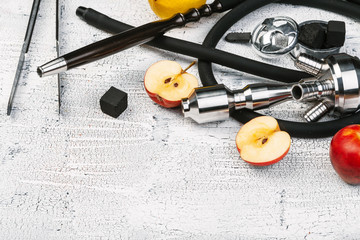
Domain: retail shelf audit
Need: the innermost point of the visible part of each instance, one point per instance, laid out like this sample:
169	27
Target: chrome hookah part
275	36
311	65
319	110
319	53
337	85
310	89
215	103
281	35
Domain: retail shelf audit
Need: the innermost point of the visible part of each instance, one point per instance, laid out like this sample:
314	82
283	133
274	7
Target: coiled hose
207	54
295	129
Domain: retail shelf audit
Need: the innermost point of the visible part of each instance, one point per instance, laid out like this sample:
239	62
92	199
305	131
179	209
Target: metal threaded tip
310	64
307	91
318	111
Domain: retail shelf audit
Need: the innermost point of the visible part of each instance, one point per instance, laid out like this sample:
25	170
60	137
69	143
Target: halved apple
261	142
167	83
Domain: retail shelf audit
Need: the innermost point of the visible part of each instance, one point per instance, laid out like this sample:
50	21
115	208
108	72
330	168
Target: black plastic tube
295	129
355	1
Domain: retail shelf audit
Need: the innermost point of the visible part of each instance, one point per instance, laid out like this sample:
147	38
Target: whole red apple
345	153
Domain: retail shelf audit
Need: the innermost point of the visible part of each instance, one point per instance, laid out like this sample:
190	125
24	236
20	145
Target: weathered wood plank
149	174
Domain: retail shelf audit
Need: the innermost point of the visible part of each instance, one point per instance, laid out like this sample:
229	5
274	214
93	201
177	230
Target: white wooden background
149	174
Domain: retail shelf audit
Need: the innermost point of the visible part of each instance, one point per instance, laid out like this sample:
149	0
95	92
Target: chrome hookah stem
215	103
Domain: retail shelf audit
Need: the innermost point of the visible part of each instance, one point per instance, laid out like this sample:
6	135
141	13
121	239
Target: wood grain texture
150	174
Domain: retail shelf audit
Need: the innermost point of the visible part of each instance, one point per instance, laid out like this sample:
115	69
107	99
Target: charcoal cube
335	34
113	102
312	35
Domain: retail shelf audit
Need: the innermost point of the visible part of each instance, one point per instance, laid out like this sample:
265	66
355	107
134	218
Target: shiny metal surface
208	104
337	80
55	66
345	71
259	96
319	110
275	36
215	103
317	53
312	90
310	64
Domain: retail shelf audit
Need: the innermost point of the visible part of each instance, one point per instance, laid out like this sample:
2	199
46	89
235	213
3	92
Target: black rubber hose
199	51
229	4
295	129
305	130
355	1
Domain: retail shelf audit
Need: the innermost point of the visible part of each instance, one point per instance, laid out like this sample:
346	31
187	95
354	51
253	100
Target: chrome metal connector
215	103
338	81
319	110
313	90
311	65
55	66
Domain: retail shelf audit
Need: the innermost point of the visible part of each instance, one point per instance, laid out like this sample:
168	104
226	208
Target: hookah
239	9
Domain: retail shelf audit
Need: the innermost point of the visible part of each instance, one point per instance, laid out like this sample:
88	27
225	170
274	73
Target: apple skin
263	164
161	101
164	69
261	142
345	153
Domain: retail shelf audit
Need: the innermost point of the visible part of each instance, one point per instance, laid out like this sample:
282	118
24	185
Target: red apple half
260	141
167	83
345	153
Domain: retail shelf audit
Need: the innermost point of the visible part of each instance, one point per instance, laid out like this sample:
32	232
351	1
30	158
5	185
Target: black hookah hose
295	129
208	52
199	51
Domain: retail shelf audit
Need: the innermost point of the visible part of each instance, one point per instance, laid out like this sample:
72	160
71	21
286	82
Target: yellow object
168	8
